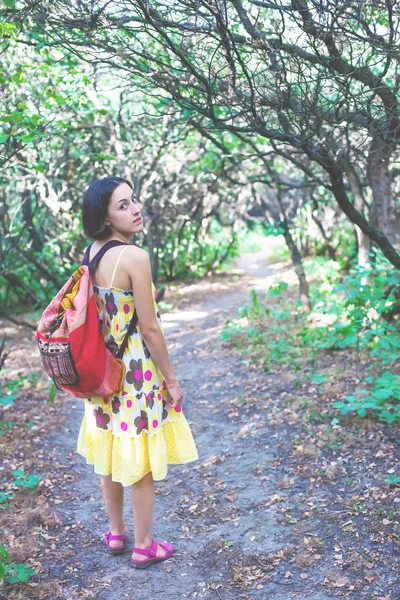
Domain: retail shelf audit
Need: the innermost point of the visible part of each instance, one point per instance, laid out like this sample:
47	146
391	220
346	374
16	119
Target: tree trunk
115	139
297	264
27	212
362	240
282	222
328	245
382	210
339	192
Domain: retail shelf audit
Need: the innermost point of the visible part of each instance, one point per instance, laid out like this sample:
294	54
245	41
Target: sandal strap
110	537
152	551
166	547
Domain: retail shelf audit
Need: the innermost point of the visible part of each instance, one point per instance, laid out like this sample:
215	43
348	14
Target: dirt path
244	526
210	509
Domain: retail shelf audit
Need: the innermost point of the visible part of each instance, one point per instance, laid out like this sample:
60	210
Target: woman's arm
139	270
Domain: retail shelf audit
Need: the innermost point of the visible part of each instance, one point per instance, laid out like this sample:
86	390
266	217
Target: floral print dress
136	432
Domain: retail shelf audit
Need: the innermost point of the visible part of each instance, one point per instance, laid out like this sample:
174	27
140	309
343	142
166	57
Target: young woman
130	438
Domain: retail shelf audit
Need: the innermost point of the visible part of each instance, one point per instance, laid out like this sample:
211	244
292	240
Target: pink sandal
151	553
109	537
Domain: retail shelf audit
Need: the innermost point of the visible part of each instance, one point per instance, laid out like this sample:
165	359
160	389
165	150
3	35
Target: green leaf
35	119
18	473
383	394
30	481
52	392
23	573
318	378
4	554
18	77
393	479
7	400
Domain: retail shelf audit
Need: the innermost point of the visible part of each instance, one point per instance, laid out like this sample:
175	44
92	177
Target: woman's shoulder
136	263
133	251
136	257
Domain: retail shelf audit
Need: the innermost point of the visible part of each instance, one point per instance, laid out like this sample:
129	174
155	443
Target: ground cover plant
330	393
23	516
346	350
355	313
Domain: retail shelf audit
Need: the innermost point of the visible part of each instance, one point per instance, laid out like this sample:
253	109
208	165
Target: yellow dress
130	434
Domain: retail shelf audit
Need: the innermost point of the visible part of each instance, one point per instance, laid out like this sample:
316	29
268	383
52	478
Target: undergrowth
354	314
17	479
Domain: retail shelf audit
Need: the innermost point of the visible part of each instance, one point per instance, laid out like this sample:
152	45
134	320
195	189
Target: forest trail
206	509
243	524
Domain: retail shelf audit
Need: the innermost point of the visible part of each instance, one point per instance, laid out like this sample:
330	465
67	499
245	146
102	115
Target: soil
268	512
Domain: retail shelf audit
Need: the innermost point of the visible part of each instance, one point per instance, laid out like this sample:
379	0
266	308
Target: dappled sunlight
320	319
264	283
172	319
250	427
211	334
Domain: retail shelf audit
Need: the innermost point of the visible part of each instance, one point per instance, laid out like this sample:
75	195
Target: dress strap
116	265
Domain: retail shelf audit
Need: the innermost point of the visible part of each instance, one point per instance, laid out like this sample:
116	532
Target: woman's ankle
143	543
117	528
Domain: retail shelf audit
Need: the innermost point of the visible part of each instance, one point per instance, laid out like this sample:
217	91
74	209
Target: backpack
70	341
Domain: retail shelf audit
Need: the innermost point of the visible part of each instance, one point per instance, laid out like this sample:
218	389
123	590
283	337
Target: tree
61	129
316	81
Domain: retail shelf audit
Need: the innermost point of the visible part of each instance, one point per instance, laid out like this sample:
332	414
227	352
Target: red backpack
71	344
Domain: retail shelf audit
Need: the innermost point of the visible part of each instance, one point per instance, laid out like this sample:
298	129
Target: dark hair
95	206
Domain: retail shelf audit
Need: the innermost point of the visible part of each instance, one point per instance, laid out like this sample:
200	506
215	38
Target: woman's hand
175	394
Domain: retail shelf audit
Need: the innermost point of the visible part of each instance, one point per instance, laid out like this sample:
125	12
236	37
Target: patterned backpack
71	345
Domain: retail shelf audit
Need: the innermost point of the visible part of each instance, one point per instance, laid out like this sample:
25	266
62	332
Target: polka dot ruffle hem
130	459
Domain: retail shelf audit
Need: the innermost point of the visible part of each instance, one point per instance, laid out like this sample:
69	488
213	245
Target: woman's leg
113	493
143	496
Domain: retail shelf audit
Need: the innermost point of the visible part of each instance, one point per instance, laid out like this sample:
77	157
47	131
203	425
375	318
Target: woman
130	438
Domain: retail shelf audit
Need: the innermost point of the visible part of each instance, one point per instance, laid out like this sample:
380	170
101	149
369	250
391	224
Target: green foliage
192	255
277	288
13	572
230	330
382	399
26	480
5	497
7	400
356	310
250	239
393	480
4	557
52	392
279	253
17	384
318	378
255	304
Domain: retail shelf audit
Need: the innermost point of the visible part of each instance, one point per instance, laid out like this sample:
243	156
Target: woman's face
124	211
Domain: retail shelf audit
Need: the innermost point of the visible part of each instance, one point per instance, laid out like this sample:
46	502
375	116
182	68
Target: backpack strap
86	255
100	253
92	263
116	266
130	330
